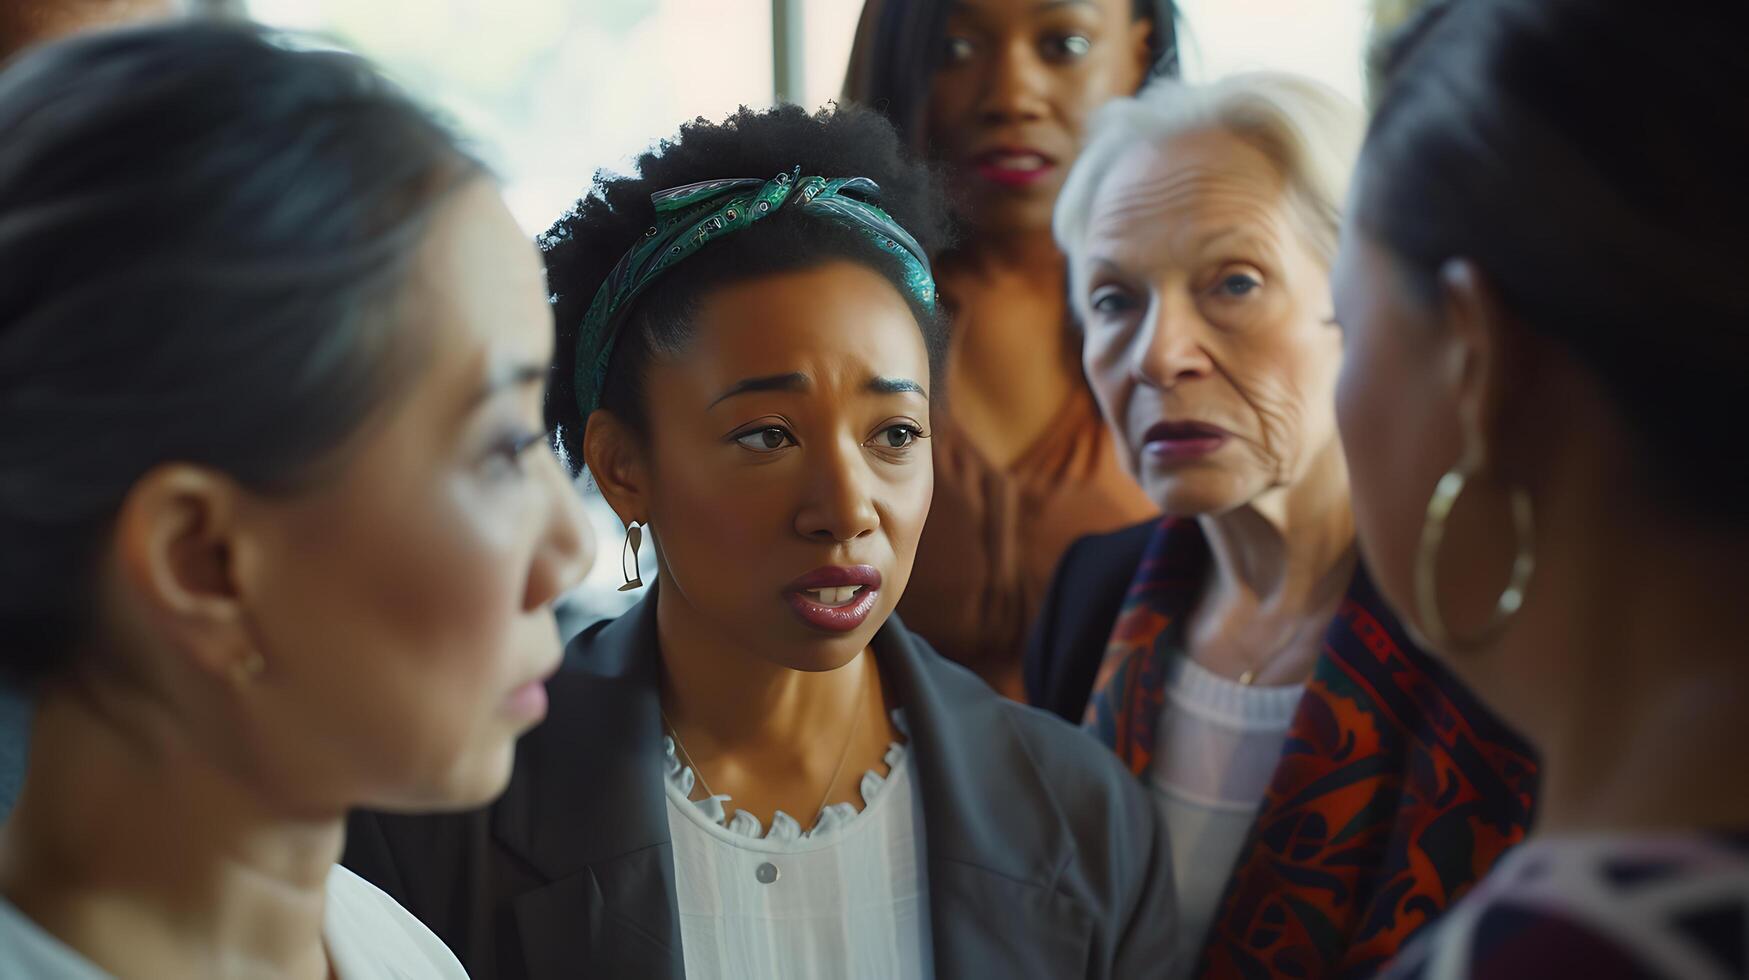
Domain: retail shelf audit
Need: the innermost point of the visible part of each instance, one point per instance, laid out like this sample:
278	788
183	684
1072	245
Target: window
1325	39
554	89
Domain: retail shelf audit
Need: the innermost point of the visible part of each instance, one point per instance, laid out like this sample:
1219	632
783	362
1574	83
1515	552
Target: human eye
506	456
1111	301
957	49
896	439
1238	283
765	439
1068	46
899	436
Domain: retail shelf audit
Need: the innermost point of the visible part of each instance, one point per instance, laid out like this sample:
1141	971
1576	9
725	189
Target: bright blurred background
553	90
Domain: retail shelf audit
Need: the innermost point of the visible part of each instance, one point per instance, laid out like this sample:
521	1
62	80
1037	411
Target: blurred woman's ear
180	564
1486	366
616	462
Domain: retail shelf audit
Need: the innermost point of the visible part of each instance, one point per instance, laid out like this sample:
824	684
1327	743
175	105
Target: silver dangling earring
1439	507
634	578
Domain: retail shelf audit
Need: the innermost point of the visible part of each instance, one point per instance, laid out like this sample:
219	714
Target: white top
368	936
847	900
1217	747
1674	905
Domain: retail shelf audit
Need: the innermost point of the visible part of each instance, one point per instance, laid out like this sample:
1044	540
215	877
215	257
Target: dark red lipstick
1176	442
1013	166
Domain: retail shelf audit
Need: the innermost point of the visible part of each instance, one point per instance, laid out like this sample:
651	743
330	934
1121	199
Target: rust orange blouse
994	536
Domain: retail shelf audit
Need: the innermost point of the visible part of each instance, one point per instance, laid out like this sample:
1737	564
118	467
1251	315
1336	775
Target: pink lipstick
835	598
528	702
1013	166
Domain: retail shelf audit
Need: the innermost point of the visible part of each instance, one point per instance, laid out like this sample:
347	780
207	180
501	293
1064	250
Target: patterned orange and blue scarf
1396	790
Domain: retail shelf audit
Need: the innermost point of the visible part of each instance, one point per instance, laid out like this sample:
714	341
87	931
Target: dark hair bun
202	230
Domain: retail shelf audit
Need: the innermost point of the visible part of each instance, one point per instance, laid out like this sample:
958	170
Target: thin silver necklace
849	740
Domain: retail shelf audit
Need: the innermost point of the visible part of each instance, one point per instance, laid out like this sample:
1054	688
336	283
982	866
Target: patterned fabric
1396	790
692	216
1600	908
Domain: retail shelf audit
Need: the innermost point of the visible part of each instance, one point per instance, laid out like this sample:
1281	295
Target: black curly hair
583	246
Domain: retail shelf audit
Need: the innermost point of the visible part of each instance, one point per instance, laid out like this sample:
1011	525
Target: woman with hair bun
1543	295
281	531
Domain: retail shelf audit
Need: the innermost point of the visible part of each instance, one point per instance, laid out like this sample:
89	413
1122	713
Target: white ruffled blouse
846	900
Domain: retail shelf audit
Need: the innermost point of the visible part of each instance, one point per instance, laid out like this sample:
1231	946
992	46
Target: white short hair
1309	130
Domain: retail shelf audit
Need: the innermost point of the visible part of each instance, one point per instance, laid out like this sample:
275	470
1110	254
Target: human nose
1015	88
566	550
838	506
1173	346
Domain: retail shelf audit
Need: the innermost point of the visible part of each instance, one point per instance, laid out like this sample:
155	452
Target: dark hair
1588	156
585	244
899	46
202	232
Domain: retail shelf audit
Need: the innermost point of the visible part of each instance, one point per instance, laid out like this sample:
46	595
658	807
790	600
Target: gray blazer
1045	857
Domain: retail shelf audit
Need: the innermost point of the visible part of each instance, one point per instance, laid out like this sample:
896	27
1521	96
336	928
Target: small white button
767	873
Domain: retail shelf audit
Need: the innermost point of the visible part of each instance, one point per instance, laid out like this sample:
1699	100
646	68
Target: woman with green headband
758	771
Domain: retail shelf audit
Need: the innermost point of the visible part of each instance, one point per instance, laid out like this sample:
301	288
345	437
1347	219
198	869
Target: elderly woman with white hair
1329	788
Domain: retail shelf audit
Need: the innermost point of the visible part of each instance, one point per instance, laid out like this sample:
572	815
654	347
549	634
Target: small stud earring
629	568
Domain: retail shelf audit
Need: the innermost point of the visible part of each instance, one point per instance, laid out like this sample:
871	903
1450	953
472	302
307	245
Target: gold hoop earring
1439	507
634	578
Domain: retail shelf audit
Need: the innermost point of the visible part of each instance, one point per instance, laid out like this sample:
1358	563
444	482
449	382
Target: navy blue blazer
1045	858
1075	620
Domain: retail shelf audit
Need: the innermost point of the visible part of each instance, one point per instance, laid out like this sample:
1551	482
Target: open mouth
836	598
1013	166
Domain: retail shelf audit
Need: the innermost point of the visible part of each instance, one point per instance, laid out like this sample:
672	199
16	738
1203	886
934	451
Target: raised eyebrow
794	381
896	386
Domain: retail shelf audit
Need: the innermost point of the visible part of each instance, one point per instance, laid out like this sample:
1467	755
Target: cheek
1287	381
715	524
403	631
1104	361
907	493
1082	93
1381	438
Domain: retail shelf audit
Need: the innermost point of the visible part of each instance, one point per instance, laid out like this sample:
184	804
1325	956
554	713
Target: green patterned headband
689	218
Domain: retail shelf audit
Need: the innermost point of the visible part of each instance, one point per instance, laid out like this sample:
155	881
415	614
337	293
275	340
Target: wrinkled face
1010	101
1208	336
788	481
403	605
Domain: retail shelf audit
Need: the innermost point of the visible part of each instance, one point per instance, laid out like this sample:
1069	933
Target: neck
1281	567
1026	252
134	847
1291	548
1631	666
730	701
